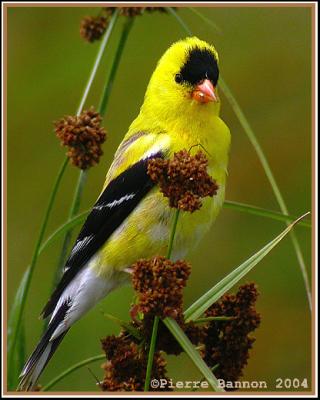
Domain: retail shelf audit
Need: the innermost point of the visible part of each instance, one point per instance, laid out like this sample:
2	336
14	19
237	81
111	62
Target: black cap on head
201	64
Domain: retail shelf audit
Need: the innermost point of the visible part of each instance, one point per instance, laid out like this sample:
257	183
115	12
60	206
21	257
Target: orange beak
205	92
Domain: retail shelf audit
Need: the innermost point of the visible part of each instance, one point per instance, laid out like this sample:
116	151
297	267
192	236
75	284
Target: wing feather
114	205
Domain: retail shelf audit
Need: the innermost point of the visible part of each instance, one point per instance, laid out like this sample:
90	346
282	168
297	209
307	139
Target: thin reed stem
12	344
263	212
23	290
72	213
205	19
267	169
96	64
151	352
83	173
265	164
73	368
115	64
156	318
102	109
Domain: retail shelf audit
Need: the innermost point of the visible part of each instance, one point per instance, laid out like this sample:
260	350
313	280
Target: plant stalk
72	213
96	64
115	64
83	173
12	344
265	164
156	318
72	369
23	291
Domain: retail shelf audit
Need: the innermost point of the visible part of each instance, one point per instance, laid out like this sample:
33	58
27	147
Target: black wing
114	205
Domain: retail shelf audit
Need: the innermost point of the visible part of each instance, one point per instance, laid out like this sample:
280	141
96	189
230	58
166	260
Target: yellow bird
131	219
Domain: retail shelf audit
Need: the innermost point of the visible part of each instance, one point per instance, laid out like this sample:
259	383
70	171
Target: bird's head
185	80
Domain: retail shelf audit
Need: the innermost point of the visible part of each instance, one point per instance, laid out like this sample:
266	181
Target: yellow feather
169	120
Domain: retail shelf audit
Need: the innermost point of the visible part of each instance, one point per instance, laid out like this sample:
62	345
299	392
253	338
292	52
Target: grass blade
72	369
14	325
115	64
97	61
205	19
263	212
267	169
180	20
156	318
188	347
77	220
17	309
264	162
125	325
83	173
214	294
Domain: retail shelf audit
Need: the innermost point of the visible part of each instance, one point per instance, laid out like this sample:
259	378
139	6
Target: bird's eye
178	78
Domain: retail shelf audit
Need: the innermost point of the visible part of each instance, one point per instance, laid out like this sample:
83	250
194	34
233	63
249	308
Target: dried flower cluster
126	364
228	343
83	136
183	179
159	283
134	11
92	28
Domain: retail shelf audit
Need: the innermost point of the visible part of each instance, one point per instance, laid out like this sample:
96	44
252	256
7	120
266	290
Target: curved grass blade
188	347
72	369
263	212
14	325
74	209
214	294
73	222
264	162
17	309
205	19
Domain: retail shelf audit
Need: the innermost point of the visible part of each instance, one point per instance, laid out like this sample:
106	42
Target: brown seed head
134	11
83	136
126	364
92	28
159	283
183	179
228	342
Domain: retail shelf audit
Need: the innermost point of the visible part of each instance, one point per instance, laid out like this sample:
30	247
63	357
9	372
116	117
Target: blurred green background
265	57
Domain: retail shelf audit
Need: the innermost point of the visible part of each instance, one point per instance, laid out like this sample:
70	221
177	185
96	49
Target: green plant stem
115	64
77	220
83	173
151	353
225	284
72	369
263	212
267	169
102	109
12	344
194	355
173	233
180	20
205	19
214	368
23	291
265	164
233	205
97	61
73	211
156	318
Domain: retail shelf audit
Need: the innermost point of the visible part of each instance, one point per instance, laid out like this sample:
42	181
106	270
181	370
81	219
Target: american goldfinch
131	219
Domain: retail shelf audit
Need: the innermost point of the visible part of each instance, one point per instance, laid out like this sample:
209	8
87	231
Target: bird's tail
43	352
